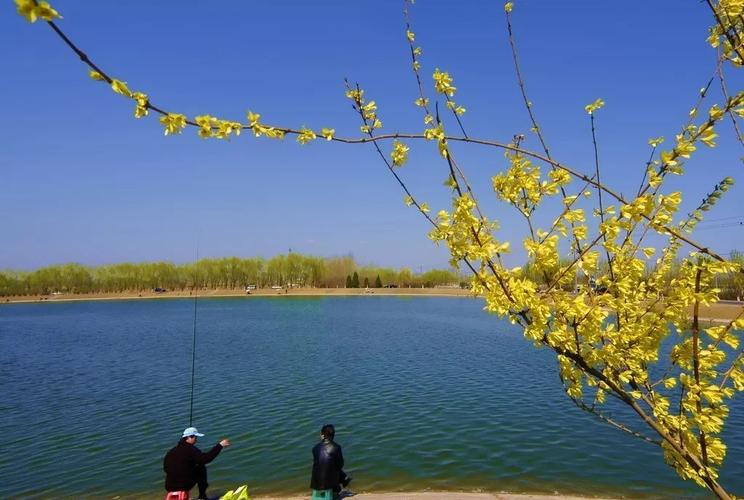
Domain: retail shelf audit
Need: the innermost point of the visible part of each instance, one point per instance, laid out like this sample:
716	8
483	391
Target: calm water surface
426	393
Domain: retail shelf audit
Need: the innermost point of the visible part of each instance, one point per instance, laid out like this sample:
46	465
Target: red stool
177	495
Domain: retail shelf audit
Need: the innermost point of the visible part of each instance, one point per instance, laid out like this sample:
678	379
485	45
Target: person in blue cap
185	465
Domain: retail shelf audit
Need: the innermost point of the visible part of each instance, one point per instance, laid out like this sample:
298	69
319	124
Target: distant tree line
290	270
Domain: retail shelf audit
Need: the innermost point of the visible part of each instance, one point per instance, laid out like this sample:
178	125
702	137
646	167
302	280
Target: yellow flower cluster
399	154
174	123
726	33
209	126
591	108
306	135
443	83
35	10
260	129
522	184
368	110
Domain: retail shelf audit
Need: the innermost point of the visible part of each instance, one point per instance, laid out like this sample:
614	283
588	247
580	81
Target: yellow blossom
120	88
253	118
205	123
142	107
591	108
306	135
174	123
33	11
443	83
328	133
399	153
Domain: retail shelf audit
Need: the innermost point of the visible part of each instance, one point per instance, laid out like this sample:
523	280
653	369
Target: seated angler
185	466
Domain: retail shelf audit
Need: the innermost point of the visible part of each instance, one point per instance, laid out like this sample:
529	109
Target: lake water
426	393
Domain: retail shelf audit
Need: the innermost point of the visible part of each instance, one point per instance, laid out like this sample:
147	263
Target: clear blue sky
84	181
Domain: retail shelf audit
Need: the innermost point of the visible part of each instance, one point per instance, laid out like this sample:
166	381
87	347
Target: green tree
355	280
378	282
349	283
405	277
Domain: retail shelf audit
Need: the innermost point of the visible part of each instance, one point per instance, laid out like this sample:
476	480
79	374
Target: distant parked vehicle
391	285
276	287
159	290
250	287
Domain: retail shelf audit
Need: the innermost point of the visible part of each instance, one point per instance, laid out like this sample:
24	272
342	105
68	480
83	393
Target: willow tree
607	344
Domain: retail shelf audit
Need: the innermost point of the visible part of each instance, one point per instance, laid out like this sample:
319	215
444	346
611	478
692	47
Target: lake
426	393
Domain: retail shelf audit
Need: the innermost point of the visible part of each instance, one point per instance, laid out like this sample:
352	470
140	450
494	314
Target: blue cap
191	431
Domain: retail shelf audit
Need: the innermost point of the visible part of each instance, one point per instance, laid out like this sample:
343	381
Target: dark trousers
200	480
343	480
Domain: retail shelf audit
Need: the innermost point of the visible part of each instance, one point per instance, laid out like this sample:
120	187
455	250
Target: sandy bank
262	292
448	495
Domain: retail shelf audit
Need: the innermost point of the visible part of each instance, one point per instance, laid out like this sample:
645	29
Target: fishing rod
193	342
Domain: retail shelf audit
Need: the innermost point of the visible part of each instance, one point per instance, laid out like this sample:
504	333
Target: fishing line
193	343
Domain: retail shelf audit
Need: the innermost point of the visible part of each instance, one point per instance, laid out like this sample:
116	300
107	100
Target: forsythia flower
591	108
225	128
253	118
355	94
174	123
205	125
408	201
459	110
369	110
655	141
410	35
508	6
141	109
649	251
95	75
707	135
399	153
32	11
121	88
306	135
328	133
443	83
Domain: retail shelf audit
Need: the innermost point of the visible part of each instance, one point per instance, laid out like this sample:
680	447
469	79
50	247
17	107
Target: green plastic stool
322	495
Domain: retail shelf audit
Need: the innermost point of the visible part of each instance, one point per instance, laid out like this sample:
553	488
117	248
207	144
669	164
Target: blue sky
84	181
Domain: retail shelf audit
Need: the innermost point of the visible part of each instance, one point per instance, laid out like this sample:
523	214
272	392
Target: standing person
185	466
328	462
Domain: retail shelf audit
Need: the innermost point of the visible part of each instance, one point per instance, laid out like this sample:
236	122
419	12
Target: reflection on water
426	393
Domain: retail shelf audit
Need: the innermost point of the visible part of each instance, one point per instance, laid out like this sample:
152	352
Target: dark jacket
327	464
181	463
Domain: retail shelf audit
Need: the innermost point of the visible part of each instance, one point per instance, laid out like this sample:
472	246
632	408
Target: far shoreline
229	292
721	312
